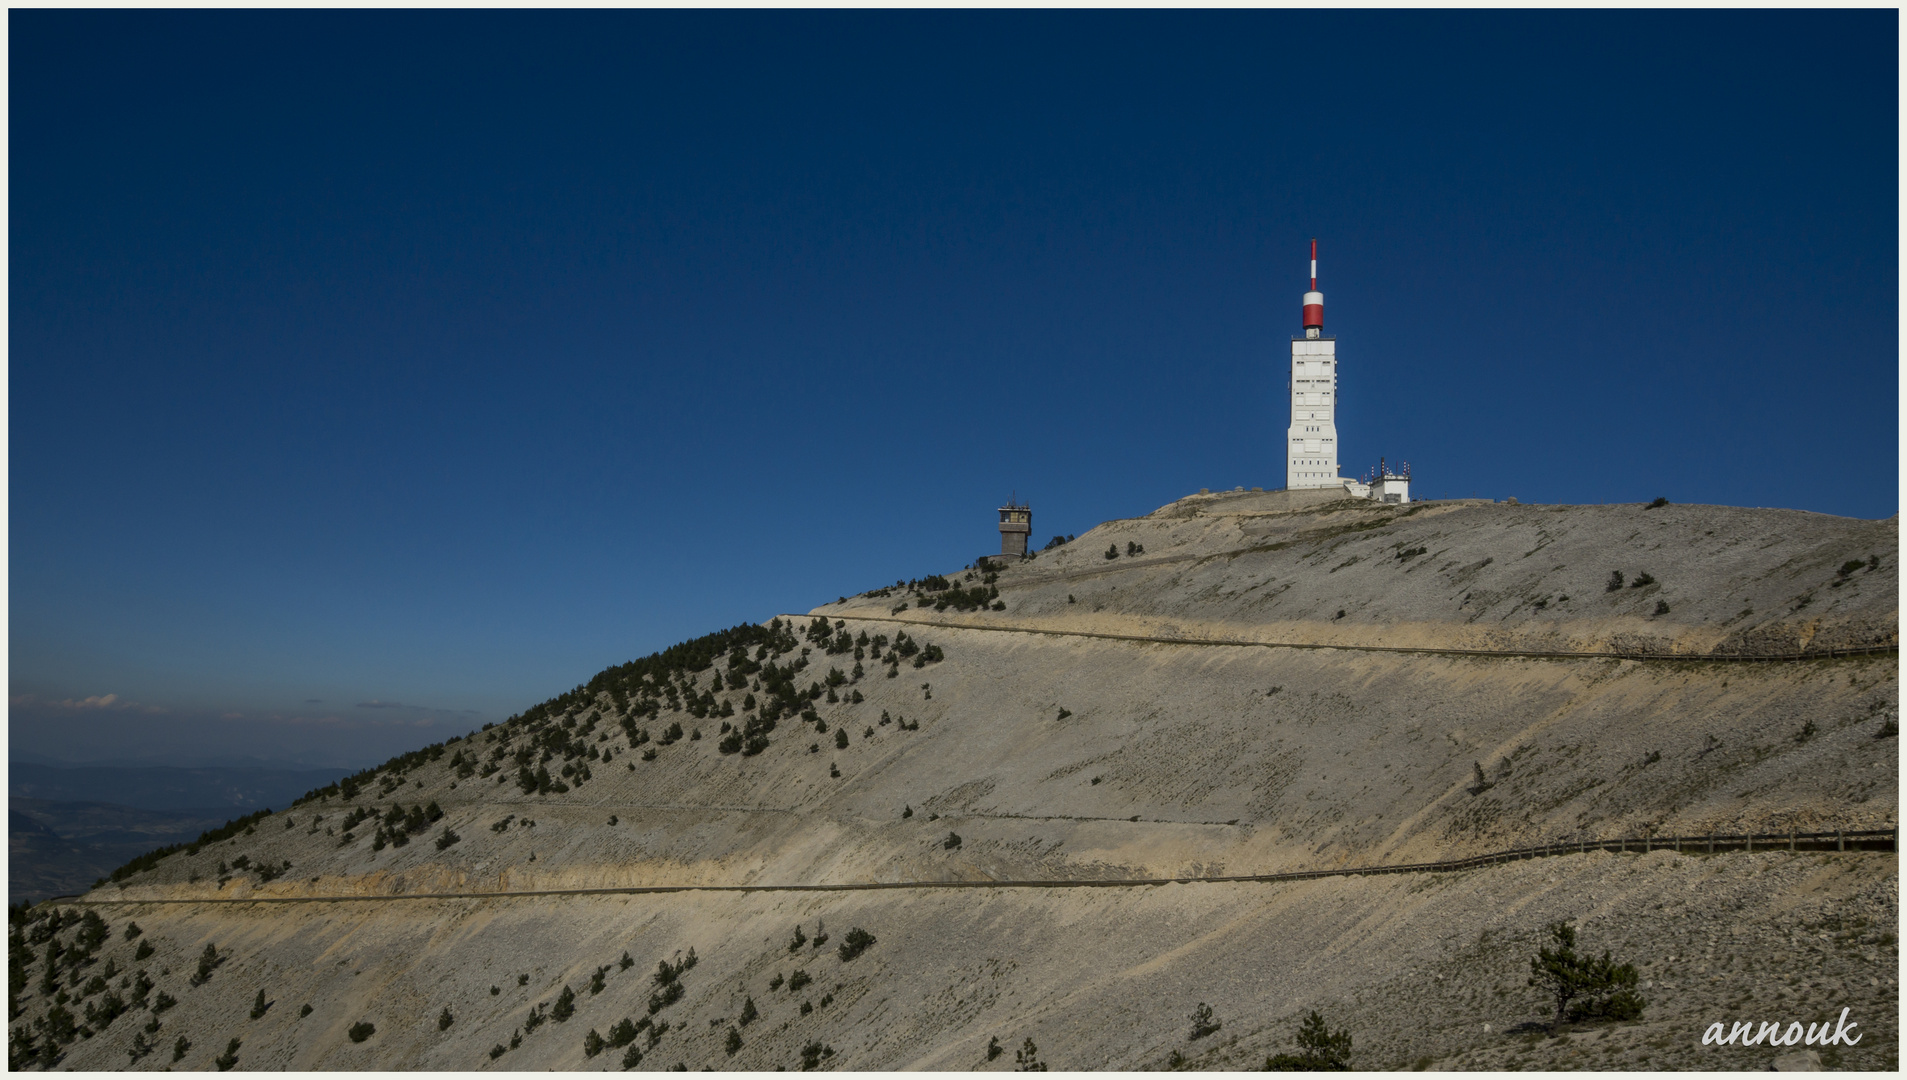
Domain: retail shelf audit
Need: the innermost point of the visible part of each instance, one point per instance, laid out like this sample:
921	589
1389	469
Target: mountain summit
997	806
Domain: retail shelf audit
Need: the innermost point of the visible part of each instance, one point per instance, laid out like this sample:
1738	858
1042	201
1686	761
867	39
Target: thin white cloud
95	703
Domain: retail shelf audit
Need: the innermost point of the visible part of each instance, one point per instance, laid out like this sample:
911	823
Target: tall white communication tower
1312	440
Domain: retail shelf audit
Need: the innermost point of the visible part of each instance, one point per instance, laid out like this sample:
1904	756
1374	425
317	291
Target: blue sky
376	375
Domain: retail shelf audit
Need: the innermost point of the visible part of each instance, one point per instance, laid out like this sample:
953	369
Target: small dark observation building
1016	526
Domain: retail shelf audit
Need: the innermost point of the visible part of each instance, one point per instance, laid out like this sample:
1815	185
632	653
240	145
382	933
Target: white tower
1311	443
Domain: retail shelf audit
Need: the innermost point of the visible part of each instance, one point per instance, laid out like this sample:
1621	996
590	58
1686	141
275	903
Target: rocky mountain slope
1242	683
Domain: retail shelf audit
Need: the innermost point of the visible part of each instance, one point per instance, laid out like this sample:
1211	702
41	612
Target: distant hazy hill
160	788
67	827
61	848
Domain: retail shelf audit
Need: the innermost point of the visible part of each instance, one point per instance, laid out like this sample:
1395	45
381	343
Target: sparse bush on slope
1319	1049
1583	987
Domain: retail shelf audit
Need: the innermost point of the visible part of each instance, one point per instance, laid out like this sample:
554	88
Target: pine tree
1027	1058
1583	987
1319	1049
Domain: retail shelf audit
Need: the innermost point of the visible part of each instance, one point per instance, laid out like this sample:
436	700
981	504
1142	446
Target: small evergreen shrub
361	1031
1027	1058
798	980
207	961
1583	987
665	997
857	942
1319	1049
1614	582
733	1042
952	841
444	1019
229	1058
259	1005
1202	1022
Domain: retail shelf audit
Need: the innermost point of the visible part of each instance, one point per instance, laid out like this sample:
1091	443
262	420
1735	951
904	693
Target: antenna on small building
1016	526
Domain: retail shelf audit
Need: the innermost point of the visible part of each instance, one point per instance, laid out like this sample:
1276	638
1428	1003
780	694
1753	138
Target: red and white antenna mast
1314	300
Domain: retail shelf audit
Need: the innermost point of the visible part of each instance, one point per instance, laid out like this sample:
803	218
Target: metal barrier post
1711	843
1790	839
1751	843
1840	842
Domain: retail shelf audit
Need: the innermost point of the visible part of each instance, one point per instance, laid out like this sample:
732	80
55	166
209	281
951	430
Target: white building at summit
1311	442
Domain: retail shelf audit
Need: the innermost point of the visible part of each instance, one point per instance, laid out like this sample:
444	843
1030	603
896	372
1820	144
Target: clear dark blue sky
374	375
